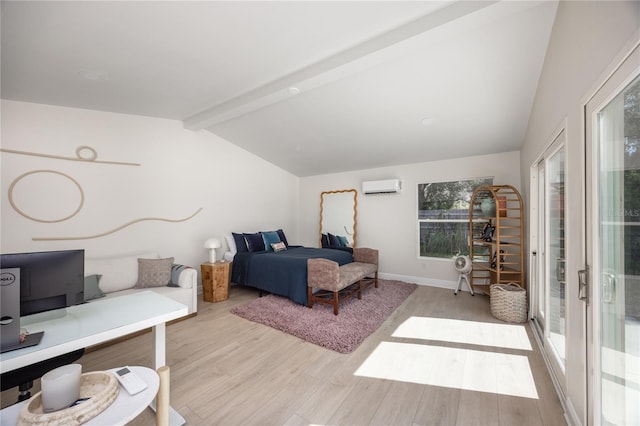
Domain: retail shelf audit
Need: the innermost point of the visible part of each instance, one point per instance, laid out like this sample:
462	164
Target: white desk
122	410
96	322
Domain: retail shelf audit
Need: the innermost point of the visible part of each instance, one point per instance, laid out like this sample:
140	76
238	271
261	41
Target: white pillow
118	273
231	242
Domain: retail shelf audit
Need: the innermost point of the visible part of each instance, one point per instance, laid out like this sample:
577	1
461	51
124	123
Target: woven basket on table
508	302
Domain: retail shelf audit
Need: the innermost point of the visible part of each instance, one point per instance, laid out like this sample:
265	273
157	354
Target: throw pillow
254	241
92	287
343	241
269	239
118	273
278	246
282	237
182	276
154	272
333	240
241	243
176	270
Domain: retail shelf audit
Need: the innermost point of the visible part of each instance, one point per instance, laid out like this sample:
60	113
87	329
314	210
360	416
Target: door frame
608	87
551	147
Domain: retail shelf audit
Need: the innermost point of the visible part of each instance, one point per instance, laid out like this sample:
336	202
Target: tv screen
48	280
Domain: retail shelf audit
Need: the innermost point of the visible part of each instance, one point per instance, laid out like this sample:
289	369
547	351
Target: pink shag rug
343	333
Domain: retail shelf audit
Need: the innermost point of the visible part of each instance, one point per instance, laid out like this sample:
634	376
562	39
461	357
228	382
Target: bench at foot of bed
333	284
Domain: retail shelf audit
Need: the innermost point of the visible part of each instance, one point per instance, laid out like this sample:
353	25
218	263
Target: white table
96	322
122	410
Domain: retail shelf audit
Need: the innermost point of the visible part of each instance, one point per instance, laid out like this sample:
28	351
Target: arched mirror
338	218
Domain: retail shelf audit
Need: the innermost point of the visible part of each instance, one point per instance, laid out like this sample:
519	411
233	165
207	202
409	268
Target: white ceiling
378	83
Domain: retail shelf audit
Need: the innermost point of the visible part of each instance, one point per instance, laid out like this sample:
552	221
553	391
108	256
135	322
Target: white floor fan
463	266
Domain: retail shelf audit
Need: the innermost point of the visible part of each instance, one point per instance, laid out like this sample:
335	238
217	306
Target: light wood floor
229	371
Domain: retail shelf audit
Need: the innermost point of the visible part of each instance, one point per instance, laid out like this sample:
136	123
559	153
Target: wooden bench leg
376	280
335	303
310	297
360	290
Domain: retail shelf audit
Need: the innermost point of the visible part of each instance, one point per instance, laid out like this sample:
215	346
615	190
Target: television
48	280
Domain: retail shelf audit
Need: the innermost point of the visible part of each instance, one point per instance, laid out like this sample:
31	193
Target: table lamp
212	244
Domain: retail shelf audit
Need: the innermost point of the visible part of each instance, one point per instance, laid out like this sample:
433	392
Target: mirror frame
355	210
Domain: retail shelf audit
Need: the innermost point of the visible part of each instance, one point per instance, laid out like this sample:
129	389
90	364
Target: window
443	216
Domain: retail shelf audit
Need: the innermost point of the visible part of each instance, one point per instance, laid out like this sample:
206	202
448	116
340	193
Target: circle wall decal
34	172
93	154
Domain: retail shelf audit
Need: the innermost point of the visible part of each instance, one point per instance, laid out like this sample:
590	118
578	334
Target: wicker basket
100	386
509	302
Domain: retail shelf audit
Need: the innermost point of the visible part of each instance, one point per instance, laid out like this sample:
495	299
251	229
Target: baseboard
132	335
570	414
431	282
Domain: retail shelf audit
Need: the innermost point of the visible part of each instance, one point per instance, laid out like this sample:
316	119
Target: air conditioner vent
390	186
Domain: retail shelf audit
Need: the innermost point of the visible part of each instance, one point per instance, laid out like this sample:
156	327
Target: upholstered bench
329	283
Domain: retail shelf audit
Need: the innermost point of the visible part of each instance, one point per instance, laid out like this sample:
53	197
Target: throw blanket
283	273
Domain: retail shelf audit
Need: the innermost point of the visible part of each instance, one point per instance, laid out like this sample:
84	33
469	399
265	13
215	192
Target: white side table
124	408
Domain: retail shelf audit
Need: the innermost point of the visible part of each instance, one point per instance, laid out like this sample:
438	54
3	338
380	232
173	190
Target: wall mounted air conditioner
390	186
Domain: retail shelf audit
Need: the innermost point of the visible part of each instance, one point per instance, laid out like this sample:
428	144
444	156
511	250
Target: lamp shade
212	244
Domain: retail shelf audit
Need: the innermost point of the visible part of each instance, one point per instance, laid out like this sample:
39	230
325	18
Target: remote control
130	381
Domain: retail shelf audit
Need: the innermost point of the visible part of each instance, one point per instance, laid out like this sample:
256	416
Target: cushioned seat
329	283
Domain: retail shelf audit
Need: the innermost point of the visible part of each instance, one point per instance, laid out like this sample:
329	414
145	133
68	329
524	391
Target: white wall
388	222
181	171
586	37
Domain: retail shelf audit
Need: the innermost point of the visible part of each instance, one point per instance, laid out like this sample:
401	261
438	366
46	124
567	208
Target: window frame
463	219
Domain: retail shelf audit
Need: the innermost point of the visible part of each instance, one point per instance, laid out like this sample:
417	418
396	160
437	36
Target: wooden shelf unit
501	260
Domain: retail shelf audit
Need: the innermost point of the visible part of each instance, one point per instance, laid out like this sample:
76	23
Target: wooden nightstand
215	281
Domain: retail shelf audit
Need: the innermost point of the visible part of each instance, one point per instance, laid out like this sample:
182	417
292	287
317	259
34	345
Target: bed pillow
270	238
231	242
324	241
154	272
241	243
92	287
254	242
282	237
343	241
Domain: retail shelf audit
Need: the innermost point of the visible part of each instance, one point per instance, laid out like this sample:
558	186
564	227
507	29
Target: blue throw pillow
269	238
343	241
282	237
92	287
254	242
324	240
241	244
333	240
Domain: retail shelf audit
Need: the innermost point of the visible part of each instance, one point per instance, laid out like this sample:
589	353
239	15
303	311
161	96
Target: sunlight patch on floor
471	332
466	369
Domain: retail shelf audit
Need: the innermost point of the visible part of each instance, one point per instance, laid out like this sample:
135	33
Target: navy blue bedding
283	273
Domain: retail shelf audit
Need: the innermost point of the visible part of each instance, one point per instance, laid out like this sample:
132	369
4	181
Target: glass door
549	312
613	237
555	259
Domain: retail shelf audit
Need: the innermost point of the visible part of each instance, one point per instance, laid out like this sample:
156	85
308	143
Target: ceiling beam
429	28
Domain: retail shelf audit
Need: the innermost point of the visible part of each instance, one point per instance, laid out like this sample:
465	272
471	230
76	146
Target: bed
283	272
